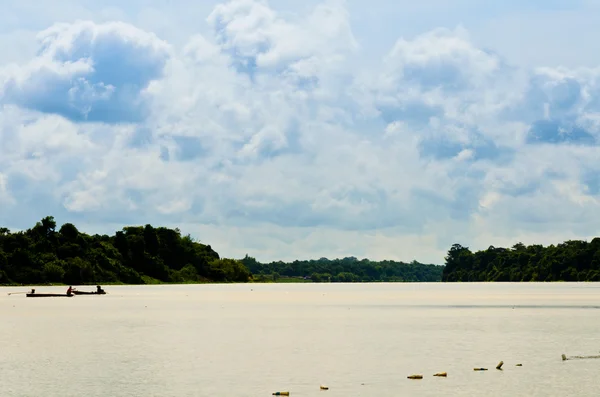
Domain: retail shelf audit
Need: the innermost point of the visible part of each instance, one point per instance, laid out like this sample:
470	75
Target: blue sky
303	129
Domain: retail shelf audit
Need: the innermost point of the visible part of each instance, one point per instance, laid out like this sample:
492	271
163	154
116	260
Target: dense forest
569	261
147	254
344	270
134	255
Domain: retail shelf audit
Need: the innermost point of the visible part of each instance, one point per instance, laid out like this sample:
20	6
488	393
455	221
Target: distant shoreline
140	255
291	280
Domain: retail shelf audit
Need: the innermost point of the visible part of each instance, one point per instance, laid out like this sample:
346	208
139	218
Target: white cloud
5	197
252	29
267	133
85	71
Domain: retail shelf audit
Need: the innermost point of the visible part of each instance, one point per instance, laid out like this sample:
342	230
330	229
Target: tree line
348	269
146	254
133	255
572	260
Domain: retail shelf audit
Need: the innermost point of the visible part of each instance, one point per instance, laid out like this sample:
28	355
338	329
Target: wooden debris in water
442	374
564	357
281	393
324	387
518	365
480	369
415	377
500	364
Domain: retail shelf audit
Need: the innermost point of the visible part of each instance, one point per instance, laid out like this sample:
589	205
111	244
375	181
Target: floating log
415	377
443	374
324	387
500	364
281	393
480	369
518	365
578	357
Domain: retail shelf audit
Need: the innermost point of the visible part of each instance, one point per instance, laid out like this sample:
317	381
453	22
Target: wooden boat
89	292
34	295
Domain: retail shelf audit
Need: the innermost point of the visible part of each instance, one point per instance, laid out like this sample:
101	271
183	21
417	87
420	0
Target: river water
256	339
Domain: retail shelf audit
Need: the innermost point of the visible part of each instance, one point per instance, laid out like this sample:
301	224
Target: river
256	339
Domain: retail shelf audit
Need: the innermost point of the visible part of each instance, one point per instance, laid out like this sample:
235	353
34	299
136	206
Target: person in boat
32	291
99	290
69	290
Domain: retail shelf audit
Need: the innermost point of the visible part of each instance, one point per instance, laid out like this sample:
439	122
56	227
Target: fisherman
99	290
32	291
69	290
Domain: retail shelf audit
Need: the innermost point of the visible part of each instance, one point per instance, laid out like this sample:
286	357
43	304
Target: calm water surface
255	339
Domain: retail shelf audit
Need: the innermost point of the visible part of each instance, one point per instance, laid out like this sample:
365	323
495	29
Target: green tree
41	254
573	260
54	271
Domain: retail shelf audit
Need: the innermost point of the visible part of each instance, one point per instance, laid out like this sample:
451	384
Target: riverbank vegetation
134	255
348	269
573	260
45	254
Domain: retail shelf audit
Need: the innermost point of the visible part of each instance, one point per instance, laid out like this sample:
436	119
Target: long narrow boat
34	295
89	293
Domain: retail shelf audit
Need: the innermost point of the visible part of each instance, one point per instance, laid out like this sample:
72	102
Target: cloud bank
271	135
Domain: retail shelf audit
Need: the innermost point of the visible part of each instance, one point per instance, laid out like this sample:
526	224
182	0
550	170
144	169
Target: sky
303	129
